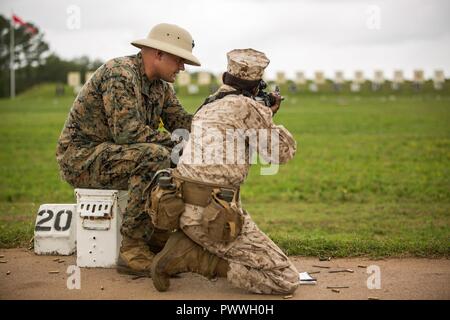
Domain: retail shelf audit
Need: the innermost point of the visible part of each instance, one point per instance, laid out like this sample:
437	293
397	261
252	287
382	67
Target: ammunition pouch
221	219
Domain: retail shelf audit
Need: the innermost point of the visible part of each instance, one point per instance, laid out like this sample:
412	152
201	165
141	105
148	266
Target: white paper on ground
305	278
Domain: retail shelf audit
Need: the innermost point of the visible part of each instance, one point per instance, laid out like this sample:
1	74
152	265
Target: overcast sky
296	35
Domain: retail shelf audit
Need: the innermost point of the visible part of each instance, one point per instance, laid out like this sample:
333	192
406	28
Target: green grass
371	175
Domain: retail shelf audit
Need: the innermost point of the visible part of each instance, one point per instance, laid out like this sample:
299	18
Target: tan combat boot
181	254
158	240
135	257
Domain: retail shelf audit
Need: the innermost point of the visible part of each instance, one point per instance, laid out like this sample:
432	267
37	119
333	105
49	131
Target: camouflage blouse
120	105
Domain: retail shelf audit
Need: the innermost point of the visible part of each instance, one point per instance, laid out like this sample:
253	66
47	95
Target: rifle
265	98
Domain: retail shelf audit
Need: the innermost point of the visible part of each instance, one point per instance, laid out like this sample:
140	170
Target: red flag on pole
28	27
16	19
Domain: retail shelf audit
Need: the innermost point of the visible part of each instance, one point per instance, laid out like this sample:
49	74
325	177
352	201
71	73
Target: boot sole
161	281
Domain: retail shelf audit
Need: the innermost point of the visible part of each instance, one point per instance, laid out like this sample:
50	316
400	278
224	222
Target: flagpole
11	55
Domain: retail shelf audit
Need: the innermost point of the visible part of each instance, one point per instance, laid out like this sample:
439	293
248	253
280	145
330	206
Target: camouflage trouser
124	167
257	264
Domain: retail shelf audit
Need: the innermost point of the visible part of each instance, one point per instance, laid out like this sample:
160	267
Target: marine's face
169	66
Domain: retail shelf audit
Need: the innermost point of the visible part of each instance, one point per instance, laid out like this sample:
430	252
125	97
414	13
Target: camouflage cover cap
172	39
247	64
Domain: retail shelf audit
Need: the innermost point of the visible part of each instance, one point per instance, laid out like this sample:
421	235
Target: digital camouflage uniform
256	263
111	138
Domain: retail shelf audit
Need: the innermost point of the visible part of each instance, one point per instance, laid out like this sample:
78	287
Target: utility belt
221	218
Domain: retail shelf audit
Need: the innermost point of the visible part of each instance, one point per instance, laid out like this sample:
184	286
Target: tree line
33	60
